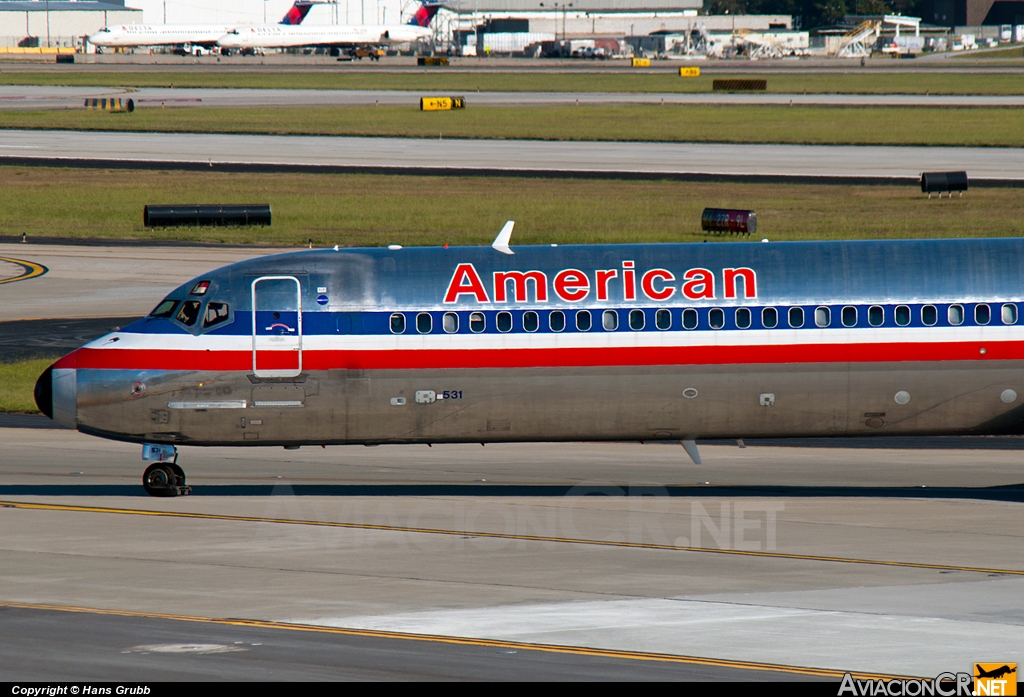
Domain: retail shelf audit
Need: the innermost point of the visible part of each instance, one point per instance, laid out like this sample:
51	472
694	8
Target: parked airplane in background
561	343
333	36
125	35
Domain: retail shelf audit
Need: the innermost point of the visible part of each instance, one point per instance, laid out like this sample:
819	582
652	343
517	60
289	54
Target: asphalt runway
533	158
815	558
22	340
64	97
151	649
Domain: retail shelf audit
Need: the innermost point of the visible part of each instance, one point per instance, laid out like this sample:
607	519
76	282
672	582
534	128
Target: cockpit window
189	313
200	288
164	309
215	314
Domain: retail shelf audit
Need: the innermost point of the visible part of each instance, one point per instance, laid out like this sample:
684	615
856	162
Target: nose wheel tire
162	479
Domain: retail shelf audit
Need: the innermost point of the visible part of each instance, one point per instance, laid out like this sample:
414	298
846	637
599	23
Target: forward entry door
276	327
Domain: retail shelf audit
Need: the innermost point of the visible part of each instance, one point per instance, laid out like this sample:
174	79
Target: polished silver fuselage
351	378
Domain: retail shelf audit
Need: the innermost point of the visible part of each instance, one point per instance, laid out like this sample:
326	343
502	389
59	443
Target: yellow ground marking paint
32	270
465	641
504	536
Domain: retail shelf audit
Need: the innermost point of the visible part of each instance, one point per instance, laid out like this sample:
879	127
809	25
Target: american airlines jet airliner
561	343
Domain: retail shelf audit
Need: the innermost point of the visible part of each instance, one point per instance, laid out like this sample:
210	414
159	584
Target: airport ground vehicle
363	52
562	343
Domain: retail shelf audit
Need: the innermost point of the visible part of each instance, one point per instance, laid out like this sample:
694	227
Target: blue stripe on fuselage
323	323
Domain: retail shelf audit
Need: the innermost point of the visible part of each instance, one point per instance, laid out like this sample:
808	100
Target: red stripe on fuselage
160	359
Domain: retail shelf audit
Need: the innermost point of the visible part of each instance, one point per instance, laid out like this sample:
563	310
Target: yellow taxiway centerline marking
32	270
467	641
504	536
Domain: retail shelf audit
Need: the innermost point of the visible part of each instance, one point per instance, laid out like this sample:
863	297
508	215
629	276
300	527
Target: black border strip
281	168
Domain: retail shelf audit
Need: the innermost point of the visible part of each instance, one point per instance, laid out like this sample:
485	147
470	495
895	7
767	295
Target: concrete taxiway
533	158
880	560
68	97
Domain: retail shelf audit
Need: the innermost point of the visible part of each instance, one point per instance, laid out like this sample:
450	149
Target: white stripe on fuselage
596	338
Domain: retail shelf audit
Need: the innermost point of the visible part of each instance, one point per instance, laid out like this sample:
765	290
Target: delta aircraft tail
425	14
297	12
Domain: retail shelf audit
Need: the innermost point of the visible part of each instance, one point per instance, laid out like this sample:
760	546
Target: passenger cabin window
689	319
663	319
556	320
398	323
164	309
743	318
822	316
876	316
609	320
504	321
215	314
796	317
929	315
769	318
583	321
716	318
531	321
982	314
189	312
1009	313
955	315
477	322
424	323
451	322
849	316
902	315
636	320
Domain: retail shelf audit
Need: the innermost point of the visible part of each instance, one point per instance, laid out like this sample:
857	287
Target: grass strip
374	210
662	78
968	126
17	382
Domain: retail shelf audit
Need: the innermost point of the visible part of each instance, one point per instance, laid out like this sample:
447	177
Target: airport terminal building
36	25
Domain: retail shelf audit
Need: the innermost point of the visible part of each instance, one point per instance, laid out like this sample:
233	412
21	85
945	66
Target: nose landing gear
164	477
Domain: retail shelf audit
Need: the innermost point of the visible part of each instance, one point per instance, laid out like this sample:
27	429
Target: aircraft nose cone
57	391
44	392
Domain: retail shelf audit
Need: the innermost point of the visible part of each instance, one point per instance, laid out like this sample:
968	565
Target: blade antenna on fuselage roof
501	241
